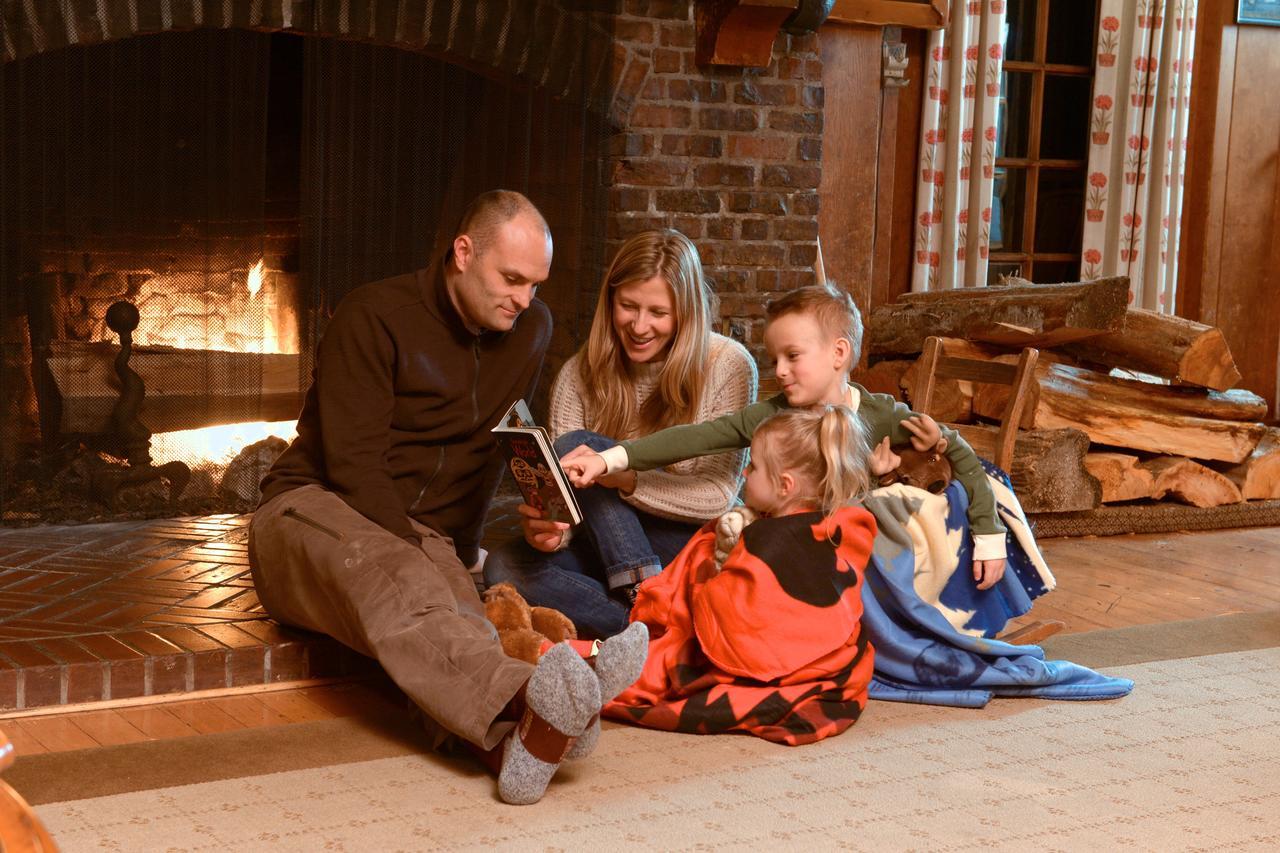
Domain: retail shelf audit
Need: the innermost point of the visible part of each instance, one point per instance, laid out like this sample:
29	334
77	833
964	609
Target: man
369	520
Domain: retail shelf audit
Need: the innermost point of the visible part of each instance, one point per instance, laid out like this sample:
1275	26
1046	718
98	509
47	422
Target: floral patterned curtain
958	148
1137	159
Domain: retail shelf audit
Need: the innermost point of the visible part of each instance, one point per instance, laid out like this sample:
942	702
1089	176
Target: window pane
1054	272
1020	31
1060	210
1064	123
1070	32
1009	194
1015	114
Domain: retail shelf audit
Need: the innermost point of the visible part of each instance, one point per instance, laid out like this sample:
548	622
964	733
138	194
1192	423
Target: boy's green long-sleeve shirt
882	414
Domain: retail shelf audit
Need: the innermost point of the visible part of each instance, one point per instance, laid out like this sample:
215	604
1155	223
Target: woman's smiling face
644	318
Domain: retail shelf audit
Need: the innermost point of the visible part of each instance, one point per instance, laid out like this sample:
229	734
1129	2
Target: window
1042	140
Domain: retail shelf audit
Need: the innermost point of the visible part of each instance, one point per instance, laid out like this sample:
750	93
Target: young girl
768	642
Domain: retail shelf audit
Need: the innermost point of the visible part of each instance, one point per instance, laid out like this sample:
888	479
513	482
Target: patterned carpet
1186	762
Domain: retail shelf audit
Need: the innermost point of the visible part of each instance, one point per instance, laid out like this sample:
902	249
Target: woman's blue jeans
616	546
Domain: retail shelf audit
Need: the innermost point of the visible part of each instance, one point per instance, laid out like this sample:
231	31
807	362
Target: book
534	465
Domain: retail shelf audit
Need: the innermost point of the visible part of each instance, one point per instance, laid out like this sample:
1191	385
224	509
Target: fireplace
233	185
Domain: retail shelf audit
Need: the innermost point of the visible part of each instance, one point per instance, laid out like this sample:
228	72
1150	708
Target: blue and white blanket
931	626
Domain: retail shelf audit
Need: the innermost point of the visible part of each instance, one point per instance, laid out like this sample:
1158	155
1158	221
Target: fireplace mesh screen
234	185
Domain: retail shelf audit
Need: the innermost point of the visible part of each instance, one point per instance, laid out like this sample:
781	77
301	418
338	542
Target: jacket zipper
475	380
431	479
293	513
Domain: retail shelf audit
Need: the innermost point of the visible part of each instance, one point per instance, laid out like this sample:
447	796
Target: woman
650	361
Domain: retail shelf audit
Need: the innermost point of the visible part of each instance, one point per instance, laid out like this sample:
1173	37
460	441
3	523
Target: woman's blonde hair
602	363
834	311
826	444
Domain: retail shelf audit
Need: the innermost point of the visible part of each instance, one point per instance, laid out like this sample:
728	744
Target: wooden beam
920	14
739	32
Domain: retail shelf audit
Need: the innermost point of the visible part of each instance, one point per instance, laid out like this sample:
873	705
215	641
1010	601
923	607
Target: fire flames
216	445
249	311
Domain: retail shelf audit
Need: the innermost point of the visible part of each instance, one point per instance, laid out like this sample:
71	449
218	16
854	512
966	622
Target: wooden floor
1107	582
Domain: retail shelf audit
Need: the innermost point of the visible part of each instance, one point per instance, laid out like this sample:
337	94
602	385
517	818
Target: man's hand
988	572
883	459
925	433
583	466
540	533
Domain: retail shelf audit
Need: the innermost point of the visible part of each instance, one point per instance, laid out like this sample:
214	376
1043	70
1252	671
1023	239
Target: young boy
814	336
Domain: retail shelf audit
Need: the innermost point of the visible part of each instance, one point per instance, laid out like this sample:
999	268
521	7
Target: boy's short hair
832	308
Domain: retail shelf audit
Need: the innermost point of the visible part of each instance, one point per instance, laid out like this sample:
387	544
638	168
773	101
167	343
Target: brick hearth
116	611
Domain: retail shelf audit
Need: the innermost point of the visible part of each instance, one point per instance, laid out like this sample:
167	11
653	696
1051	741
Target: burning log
1166	346
186	389
249	467
1039	315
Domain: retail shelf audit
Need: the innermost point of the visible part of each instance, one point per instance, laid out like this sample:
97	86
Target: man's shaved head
491	210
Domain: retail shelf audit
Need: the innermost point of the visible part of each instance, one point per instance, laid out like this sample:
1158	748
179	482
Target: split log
1039	315
1190	482
1165	345
1258	477
1236	404
1122	478
1049	473
1132	414
185	388
883	377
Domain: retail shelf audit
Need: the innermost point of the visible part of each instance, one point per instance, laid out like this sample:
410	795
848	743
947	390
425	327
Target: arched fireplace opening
234	185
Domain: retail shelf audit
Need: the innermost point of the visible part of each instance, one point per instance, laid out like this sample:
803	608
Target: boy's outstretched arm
673	444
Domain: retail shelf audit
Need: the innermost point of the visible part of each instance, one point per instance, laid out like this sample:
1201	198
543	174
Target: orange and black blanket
771	644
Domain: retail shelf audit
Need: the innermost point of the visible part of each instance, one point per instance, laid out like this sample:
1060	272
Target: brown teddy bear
925	469
523	629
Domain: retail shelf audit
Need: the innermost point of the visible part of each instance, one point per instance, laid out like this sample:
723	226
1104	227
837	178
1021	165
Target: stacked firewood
1127	404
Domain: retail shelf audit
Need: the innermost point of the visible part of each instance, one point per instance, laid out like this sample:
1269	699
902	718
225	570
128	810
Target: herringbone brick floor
113	611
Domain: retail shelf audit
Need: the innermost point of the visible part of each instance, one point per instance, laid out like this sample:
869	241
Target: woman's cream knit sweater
695	490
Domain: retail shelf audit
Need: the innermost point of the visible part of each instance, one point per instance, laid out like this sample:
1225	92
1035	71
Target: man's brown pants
320	565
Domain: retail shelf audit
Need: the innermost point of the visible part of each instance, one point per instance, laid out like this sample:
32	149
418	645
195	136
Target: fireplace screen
233	186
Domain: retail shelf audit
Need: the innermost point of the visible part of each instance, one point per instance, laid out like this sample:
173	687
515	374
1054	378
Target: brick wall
731	157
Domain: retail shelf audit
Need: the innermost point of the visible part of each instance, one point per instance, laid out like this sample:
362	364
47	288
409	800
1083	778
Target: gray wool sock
618	664
565	693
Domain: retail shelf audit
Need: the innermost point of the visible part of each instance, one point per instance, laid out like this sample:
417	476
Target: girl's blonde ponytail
828	444
843	444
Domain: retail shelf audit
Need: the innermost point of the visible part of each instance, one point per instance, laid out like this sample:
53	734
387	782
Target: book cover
533	464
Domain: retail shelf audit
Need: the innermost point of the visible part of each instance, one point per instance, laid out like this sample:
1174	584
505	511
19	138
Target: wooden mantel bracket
741	32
